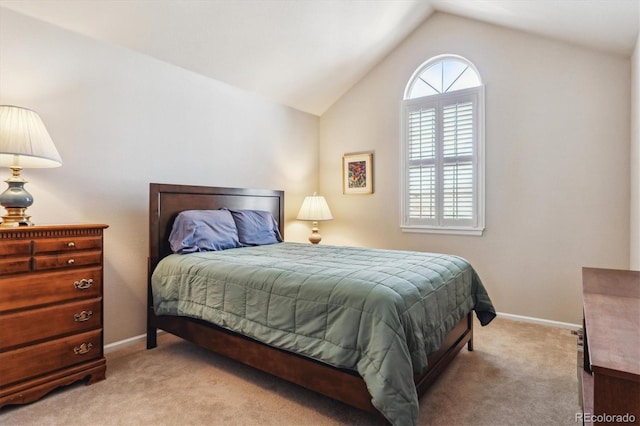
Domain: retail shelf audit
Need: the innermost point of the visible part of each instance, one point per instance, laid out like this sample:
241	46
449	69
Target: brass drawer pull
82	349
71	261
83	316
71	244
83	283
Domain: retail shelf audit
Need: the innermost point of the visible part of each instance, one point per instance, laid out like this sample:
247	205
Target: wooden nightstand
50	309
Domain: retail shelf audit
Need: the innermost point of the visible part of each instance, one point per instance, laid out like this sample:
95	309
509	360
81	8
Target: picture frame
357	173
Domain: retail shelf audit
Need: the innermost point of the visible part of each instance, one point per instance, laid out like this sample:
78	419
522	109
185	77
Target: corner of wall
634	258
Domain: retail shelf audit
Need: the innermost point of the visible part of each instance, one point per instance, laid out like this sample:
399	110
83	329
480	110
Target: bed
296	355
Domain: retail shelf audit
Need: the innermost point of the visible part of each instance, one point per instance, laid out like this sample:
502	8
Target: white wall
121	120
557	165
635	158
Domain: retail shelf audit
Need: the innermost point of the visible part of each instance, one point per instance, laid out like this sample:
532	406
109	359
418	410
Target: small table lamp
314	208
24	143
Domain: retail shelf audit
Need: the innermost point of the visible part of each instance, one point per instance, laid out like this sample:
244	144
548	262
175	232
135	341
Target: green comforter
380	312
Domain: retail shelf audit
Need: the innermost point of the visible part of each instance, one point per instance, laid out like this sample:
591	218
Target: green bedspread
380	312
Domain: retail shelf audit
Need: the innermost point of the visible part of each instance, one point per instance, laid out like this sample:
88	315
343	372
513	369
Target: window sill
443	230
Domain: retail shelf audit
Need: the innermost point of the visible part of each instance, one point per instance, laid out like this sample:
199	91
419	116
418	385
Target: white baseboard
127	342
123	343
540	321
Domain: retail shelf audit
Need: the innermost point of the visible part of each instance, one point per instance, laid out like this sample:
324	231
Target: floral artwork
357	174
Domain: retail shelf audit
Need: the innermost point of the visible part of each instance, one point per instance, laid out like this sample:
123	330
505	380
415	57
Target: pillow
203	230
256	227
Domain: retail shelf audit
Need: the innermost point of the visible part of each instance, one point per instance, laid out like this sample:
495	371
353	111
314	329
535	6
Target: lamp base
15	217
15	199
315	236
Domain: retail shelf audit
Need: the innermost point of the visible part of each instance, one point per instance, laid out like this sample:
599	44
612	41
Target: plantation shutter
458	160
422	166
440	184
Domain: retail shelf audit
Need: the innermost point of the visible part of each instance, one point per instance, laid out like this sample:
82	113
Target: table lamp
24	143
315	209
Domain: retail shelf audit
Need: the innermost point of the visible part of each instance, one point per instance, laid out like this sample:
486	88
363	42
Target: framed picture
357	173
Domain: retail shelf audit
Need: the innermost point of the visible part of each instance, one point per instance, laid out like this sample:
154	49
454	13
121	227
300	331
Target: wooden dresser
50	309
611	376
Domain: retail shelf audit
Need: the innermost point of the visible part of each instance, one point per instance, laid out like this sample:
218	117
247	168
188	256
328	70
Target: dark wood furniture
611	376
50	309
166	201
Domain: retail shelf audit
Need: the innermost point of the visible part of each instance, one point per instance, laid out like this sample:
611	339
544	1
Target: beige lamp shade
24	141
314	208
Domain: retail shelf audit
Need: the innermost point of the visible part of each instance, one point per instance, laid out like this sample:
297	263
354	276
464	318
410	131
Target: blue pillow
203	230
256	227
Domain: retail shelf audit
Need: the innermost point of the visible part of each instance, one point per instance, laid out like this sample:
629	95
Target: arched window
442	144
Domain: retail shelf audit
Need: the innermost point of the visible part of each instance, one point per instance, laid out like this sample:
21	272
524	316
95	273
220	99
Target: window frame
440	225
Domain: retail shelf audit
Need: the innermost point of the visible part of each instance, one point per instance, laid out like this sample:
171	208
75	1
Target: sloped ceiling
307	53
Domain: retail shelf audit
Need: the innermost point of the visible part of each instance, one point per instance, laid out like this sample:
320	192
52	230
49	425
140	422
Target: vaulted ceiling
307	53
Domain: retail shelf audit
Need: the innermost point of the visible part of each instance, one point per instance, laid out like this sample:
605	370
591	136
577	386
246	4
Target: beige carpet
518	374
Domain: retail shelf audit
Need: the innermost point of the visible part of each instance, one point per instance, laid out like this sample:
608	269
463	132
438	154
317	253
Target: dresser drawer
37	324
31	361
66	244
14	265
32	290
15	248
66	260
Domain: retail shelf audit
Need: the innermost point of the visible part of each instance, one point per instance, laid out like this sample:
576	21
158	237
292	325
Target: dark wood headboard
166	201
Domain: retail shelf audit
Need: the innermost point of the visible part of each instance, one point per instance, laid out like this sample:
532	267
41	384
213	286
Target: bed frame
165	202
